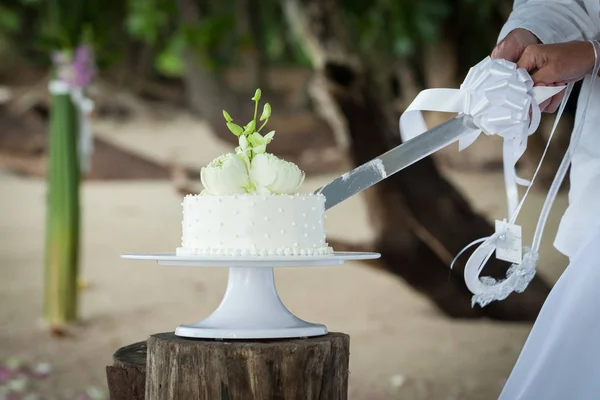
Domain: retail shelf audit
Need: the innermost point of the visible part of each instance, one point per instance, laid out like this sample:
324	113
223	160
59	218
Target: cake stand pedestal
251	307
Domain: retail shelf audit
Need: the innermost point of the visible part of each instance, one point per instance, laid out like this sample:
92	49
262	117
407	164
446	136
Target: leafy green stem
263	125
255	110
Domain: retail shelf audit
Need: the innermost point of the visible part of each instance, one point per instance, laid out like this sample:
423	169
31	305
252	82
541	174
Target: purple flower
5	374
76	69
83	66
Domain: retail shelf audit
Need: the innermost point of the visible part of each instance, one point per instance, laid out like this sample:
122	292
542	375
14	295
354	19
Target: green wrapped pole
62	229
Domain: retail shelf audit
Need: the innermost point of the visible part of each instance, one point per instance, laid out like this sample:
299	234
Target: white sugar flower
226	174
276	175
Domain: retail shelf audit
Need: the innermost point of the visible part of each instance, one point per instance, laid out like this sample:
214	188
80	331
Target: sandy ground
401	347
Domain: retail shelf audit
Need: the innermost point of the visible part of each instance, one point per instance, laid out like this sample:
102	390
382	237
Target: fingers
530	59
545	74
512	46
508	49
535	61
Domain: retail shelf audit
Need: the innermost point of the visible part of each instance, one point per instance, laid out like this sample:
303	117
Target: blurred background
108	110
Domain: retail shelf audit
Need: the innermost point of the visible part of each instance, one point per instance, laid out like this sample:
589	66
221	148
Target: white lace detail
517	279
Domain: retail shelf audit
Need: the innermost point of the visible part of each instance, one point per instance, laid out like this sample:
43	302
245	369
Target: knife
398	158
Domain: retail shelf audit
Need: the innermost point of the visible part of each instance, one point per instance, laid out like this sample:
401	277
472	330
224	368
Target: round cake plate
251	307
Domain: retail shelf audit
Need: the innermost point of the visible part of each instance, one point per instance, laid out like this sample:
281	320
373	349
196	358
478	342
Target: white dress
561	358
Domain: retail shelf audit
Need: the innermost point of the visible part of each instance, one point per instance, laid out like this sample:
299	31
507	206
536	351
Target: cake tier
254	225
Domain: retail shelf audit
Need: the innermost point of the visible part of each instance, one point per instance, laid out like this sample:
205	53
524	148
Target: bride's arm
545	21
552	21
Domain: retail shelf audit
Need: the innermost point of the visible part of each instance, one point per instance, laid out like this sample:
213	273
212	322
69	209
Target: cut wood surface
127	376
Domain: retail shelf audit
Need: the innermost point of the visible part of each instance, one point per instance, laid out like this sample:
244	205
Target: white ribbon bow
502	101
499	96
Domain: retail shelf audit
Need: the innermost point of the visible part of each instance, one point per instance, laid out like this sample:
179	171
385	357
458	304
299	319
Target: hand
557	64
514	44
511	48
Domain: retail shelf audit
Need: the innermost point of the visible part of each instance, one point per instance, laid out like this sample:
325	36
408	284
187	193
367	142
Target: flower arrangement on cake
251	169
251	204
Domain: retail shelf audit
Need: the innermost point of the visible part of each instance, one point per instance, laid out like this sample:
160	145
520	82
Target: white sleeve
553	21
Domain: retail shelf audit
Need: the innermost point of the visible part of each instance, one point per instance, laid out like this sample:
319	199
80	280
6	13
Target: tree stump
284	369
127	376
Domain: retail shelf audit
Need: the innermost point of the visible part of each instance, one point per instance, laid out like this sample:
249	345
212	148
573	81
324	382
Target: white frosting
254	225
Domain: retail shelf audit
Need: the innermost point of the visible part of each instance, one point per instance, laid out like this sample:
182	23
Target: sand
401	347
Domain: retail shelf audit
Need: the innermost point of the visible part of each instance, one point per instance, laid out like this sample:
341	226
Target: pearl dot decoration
260	225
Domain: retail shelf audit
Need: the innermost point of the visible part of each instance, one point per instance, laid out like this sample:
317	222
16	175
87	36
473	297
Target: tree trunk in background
206	94
422	220
255	59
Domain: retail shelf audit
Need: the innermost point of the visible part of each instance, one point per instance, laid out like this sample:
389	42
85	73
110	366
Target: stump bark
171	367
127	376
285	369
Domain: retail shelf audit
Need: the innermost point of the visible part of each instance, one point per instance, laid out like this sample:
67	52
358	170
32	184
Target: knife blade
395	160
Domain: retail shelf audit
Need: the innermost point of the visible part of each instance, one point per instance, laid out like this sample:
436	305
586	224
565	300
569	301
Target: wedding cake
250	204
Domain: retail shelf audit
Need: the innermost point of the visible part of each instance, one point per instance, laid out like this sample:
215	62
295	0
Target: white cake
251	224
250	203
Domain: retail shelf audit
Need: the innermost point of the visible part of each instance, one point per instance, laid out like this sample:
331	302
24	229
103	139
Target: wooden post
285	369
127	376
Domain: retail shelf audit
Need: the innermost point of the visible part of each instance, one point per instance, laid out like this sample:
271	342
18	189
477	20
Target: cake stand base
251	309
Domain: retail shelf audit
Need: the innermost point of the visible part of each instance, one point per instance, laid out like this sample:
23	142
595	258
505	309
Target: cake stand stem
251	308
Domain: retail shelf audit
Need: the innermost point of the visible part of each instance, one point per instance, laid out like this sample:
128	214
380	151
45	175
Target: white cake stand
251	307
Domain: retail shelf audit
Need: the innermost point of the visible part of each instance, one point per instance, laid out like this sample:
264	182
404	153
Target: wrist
527	36
588	49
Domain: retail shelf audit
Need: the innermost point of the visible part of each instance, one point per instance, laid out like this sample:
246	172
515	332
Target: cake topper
251	170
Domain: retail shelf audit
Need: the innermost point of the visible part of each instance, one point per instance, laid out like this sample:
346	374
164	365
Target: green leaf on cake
243	142
269	136
256	139
250	127
251	142
266	112
260	149
235	129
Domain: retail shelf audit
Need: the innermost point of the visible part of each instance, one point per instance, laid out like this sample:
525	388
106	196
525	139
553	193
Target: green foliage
38	27
400	27
395	26
214	40
478	23
392	28
145	19
168	61
10	21
251	142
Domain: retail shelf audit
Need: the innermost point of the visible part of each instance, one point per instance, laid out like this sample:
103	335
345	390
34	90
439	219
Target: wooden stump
304	369
127	376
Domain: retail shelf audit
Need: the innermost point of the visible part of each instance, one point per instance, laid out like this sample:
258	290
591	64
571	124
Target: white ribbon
499	96
84	108
485	289
502	101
